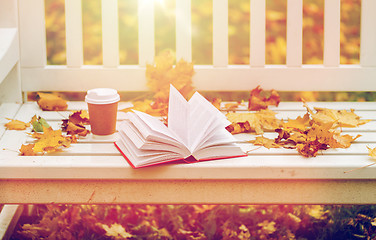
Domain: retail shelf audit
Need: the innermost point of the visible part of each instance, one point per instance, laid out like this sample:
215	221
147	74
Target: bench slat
251	167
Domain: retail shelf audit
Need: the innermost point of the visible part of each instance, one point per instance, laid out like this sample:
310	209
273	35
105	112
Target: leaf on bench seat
257	102
51	102
16	125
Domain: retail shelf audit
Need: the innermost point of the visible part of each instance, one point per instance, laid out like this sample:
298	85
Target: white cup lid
102	96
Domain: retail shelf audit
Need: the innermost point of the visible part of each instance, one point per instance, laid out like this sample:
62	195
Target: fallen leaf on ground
257	102
16	125
51	102
116	231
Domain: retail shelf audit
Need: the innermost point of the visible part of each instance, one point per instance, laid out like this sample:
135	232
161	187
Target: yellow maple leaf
51	102
339	118
16	125
50	141
258	121
266	142
300	123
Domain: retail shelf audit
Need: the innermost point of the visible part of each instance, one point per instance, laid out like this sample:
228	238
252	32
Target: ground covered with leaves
199	222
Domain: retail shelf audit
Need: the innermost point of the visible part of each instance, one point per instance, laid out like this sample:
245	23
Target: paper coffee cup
102	105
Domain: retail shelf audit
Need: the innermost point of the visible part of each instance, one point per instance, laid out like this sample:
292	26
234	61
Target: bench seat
93	171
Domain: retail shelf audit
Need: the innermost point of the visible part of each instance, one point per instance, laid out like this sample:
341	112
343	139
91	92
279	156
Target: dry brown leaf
79	117
51	102
310	148
257	102
74	125
16	125
74	129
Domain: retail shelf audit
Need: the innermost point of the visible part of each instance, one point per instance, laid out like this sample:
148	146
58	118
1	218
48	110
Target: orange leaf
51	102
16	125
27	150
266	142
257	102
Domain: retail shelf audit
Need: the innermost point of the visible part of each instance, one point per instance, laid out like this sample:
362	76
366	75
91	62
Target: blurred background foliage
202	40
239	31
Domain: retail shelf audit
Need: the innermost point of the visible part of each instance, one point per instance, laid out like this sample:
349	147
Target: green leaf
39	123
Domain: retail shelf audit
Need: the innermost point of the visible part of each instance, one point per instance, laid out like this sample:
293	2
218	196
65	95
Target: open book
196	132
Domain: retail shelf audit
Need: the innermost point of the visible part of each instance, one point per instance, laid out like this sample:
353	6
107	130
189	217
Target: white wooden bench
93	171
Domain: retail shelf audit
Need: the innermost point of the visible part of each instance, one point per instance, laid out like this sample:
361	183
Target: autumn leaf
116	231
260	121
163	73
266	142
51	102
27	150
310	148
217	103
300	123
149	107
339	118
48	141
74	129
372	152
257	102
79	117
38	123
16	125
74	125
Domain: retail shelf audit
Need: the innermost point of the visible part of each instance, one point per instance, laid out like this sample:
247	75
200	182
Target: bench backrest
36	75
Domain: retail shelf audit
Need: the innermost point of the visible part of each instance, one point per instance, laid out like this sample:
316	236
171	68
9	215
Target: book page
205	119
178	115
